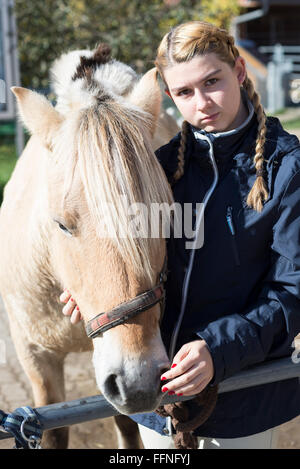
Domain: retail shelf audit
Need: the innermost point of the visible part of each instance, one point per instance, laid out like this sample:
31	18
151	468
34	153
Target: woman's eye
183	92
211	81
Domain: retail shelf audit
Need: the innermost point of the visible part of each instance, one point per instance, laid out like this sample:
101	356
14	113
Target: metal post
16	72
278	68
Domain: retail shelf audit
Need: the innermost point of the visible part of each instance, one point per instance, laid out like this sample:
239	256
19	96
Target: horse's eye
63	228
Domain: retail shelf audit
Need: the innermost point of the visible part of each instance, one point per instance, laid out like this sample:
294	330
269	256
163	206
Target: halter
107	320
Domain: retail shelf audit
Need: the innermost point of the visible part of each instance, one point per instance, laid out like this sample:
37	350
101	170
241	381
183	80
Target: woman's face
207	92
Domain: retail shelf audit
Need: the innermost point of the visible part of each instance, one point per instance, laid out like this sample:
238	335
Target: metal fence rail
90	408
283	70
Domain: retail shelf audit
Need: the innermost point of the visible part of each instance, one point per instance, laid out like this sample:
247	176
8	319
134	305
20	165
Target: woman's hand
71	308
191	371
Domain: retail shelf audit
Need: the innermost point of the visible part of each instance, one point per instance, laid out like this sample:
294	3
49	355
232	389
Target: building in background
268	36
9	69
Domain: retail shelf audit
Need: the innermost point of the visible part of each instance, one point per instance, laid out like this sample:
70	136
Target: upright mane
111	150
71	72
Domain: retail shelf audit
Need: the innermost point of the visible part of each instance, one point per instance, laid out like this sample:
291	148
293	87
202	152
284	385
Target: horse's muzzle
133	397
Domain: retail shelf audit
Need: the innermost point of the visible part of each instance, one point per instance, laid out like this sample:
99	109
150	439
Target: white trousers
264	440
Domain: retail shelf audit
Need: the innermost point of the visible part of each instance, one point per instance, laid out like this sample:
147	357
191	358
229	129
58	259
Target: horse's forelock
115	161
88	65
78	77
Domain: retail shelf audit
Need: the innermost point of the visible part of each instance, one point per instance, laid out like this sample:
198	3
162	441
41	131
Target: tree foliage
220	12
133	29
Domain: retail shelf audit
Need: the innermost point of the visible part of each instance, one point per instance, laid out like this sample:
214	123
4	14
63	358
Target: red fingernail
164	389
71	299
171	393
173	366
180	394
77	307
163	378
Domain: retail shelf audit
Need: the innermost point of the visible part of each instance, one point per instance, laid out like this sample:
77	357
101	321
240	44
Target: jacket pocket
231	227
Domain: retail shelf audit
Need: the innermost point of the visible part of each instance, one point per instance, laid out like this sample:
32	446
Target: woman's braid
259	192
181	151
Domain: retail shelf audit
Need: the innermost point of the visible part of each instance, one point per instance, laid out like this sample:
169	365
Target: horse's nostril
111	387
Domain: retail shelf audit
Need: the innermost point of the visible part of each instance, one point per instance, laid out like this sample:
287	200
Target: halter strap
105	321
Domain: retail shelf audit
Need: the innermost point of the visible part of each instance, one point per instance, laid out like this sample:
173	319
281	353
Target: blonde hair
194	38
112	154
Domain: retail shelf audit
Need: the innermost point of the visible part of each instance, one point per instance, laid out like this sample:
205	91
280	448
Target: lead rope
23	424
178	412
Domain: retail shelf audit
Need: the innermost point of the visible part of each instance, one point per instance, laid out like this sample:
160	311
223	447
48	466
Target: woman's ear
240	68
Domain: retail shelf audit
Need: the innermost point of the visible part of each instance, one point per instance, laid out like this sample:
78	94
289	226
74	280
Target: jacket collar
225	144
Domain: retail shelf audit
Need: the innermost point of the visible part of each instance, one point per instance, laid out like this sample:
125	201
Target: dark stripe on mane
88	65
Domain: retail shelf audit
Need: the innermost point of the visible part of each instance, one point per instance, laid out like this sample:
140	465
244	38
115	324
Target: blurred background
34	33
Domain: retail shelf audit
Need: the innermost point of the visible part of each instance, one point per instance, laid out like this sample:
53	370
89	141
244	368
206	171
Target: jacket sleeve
266	329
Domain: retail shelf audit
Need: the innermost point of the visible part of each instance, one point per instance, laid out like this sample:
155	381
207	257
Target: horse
62	223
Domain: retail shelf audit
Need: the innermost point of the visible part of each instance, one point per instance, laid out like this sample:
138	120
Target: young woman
243	304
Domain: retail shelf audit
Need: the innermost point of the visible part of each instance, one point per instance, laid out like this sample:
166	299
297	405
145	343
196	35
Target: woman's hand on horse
191	371
70	308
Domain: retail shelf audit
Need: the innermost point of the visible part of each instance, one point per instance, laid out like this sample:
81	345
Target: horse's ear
37	113
147	95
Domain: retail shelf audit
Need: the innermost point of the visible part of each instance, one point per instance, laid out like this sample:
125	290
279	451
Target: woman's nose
202	100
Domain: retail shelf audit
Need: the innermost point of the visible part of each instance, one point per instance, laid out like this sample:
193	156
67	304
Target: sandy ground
15	392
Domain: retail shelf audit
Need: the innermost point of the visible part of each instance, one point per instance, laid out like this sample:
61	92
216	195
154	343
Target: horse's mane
70	72
113	153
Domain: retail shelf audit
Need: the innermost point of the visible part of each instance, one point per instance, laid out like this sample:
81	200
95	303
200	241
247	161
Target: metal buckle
33	441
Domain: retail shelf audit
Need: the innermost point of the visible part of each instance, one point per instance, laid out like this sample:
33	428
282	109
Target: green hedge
7	129
8	158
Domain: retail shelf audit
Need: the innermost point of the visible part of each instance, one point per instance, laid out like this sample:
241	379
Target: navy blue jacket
244	293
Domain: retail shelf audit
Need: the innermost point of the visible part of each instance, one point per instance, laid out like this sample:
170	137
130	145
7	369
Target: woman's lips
210	118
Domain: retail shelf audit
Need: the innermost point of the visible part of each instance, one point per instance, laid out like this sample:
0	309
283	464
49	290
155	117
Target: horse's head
99	180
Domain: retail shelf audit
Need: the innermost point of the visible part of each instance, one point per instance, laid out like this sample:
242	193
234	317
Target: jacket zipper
233	237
